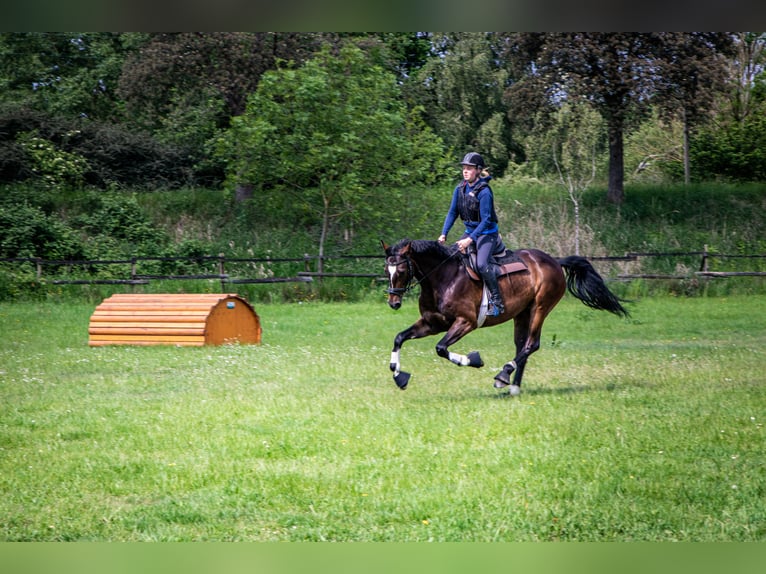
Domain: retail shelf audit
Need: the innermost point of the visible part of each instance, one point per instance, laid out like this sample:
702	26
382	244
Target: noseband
400	291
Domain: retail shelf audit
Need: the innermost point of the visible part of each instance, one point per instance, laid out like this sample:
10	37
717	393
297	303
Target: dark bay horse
451	300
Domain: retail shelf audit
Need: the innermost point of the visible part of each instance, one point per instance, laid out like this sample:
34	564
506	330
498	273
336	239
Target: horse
453	300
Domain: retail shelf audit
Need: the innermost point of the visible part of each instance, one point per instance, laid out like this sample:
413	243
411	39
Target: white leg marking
459	359
395	361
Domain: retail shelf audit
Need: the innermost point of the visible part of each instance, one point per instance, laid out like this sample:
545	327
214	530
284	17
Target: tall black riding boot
489	274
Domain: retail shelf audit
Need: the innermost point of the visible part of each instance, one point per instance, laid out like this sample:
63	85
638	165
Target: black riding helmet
474	159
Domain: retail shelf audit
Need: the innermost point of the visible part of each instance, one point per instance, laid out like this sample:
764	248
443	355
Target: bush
118	227
75	151
736	152
119	157
25	231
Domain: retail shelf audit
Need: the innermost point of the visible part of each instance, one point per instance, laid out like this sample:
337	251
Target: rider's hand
464	244
442	238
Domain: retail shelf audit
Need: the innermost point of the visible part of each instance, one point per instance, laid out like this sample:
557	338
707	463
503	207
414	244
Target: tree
614	71
184	87
329	134
187	69
73	75
692	68
462	89
747	70
573	142
654	151
731	146
621	74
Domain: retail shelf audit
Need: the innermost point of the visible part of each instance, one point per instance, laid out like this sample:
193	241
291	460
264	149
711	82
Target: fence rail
224	273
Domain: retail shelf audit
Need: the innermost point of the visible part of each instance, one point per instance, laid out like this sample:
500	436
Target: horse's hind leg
517	365
527	339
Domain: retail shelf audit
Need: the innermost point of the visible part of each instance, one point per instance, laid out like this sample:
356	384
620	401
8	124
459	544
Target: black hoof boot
402	379
502	380
474	359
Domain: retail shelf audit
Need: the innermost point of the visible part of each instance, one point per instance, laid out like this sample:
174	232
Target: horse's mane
428	248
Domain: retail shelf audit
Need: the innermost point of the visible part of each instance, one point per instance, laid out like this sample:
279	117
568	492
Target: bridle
411	281
400	291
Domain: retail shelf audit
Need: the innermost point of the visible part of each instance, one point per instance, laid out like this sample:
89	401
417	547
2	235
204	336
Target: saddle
506	261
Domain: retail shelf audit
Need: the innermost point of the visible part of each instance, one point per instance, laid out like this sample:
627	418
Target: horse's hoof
402	379
502	379
474	359
515	390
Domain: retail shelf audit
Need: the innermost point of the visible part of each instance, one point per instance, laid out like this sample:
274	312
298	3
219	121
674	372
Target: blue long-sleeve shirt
473	229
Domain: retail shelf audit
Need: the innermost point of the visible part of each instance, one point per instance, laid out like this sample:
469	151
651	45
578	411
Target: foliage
621	73
122	157
748	88
98	226
323	138
78	152
576	143
462	92
733	152
120	226
66	74
174	74
572	147
152	102
26	231
55	167
654	151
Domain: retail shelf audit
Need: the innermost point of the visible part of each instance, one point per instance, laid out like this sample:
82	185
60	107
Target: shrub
25	231
120	227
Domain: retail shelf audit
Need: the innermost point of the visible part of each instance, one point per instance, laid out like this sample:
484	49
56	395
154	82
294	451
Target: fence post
132	274
39	263
704	263
221	259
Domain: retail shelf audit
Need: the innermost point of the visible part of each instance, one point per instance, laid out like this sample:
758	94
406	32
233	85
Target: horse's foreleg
417	330
457	331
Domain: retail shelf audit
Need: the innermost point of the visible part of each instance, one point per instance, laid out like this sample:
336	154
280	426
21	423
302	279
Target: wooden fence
231	270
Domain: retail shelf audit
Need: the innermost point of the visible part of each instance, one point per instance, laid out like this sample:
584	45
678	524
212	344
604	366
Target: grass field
646	429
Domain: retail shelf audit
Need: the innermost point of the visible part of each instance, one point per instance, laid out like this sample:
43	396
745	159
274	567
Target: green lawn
646	429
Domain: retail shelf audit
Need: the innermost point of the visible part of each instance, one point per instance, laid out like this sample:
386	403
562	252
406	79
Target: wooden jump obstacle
170	319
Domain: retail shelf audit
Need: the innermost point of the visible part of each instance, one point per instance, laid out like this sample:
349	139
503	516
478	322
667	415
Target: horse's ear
385	247
405	250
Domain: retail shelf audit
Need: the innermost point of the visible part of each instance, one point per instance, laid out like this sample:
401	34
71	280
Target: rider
472	200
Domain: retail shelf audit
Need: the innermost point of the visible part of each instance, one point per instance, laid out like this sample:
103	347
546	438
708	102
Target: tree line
315	124
171	93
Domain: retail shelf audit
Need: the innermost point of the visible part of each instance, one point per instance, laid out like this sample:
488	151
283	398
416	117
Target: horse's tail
584	282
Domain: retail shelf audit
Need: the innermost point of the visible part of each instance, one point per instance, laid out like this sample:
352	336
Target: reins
411	281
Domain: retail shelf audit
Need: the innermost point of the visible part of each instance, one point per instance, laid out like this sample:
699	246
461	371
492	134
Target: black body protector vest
468	204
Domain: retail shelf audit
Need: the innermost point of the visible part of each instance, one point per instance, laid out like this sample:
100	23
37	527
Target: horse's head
399	271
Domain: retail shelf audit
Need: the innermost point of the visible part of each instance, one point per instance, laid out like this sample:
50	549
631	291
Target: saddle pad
505	269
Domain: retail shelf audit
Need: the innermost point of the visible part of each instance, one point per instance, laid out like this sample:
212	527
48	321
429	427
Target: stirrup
495	309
